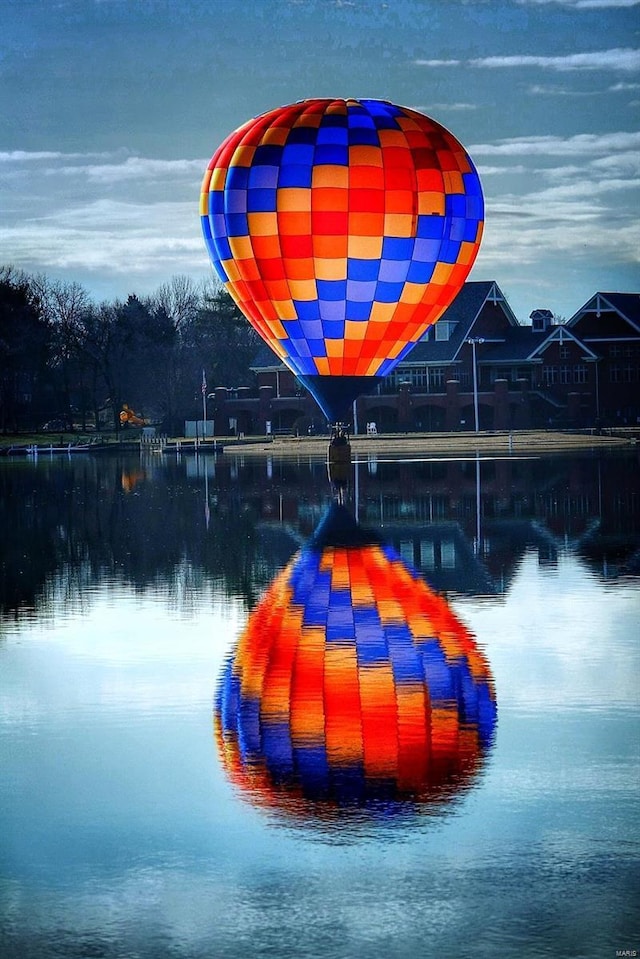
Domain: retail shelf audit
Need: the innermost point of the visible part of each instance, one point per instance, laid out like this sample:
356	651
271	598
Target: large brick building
476	362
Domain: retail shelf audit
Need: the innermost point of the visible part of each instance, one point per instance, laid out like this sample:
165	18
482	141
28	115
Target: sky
111	110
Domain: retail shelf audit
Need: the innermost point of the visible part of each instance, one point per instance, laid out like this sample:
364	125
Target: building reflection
467	524
236	520
353	687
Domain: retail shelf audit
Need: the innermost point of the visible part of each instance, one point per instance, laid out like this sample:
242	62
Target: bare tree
180	299
64	306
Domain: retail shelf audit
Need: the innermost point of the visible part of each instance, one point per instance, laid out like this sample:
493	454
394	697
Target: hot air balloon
353	686
342	229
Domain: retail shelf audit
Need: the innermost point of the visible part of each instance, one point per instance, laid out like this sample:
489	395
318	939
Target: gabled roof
626	305
561	334
464	311
524	344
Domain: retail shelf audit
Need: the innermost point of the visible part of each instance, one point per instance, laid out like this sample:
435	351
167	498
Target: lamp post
204	406
474	340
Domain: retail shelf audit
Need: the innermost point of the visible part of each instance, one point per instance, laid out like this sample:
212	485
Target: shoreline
522	441
529	442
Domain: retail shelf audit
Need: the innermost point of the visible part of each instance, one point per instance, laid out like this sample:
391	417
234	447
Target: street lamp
474	340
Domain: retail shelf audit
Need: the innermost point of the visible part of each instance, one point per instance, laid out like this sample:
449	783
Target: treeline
66	359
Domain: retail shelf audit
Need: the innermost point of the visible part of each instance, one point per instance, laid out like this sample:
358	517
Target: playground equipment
129	418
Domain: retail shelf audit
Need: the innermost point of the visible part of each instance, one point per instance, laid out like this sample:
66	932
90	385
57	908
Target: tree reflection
70	524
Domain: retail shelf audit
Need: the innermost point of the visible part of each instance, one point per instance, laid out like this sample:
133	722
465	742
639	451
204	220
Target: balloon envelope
352	683
342	229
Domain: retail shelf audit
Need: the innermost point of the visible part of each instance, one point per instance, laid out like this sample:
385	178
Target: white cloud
22	156
437	63
121	216
115	220
580	145
538	89
518	233
136	168
458	107
582	4
115	167
109	235
619	58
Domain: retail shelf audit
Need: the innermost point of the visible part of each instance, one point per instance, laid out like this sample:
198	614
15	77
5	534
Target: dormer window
444	329
541	320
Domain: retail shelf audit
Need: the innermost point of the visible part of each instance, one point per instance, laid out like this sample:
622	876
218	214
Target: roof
518	344
522	343
463	312
514	342
626	304
266	359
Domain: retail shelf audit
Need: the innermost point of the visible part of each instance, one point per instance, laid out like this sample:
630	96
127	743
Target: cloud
115	220
538	89
437	63
137	168
451	106
122	216
620	58
580	145
582	4
115	167
556	227
580	209
21	156
113	236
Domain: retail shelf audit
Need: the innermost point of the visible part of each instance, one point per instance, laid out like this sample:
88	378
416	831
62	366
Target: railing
154	443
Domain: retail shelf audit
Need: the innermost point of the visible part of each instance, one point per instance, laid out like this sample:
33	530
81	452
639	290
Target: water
128	831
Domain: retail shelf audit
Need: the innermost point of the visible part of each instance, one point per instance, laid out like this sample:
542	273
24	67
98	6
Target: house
608	326
477	367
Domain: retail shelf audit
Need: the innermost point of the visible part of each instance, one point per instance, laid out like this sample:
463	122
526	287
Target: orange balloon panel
353	676
342	229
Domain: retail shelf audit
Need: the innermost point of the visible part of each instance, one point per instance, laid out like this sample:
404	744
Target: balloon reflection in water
353	686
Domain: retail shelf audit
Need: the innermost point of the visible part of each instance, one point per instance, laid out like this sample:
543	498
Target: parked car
54	425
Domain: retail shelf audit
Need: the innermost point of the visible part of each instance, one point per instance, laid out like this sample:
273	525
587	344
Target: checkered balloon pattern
353	682
342	229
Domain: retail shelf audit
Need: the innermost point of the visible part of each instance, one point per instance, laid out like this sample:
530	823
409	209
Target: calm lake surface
237	721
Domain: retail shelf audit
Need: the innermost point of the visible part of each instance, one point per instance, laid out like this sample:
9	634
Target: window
580	373
406	551
614	374
415	375
436	377
444	329
564	352
565	374
614	351
628	373
427	554
448	554
549	375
